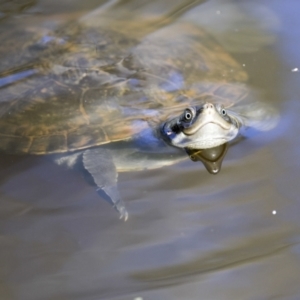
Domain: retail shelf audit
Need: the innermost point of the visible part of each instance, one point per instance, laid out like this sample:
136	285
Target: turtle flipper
98	162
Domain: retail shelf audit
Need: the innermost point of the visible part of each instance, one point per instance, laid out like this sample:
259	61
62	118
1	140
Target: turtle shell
84	86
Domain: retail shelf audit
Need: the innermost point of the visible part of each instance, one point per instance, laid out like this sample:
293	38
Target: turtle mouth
172	129
201	124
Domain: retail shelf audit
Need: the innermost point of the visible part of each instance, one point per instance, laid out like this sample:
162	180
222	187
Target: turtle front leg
99	163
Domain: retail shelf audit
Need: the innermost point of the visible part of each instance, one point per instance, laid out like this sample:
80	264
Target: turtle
108	100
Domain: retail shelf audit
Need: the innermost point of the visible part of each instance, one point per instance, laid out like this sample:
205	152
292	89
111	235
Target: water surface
190	235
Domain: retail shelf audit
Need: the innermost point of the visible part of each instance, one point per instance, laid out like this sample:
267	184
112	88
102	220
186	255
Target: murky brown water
190	235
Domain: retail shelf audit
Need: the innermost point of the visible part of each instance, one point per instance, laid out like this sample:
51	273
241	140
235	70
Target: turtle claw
111	195
124	214
119	206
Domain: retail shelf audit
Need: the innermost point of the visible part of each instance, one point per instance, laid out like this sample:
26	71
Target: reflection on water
9	8
190	235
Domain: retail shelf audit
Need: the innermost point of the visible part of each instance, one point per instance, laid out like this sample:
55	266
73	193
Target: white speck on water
138	298
274	212
244	65
295	70
218	12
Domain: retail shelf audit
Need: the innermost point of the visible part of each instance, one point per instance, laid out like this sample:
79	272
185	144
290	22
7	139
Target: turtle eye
188	114
222	111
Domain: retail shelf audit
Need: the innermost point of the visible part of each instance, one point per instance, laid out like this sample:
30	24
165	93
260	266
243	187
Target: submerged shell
88	86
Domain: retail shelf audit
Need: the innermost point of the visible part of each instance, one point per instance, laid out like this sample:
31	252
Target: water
190	235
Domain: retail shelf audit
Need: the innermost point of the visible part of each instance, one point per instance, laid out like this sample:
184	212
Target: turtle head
201	127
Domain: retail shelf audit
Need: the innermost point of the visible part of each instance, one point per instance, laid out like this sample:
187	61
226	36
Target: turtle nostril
208	105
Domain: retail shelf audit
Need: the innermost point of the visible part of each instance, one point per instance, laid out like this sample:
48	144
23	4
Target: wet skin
201	127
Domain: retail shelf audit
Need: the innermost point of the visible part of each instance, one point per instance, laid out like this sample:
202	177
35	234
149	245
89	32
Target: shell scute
94	86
